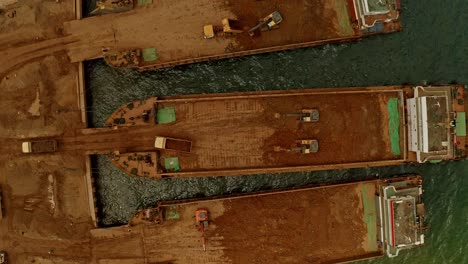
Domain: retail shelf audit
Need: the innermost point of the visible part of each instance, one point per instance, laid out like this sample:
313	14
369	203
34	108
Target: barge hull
248	133
264	132
329	224
176	37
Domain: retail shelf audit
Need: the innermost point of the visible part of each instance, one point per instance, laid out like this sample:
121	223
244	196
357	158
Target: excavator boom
270	21
201	217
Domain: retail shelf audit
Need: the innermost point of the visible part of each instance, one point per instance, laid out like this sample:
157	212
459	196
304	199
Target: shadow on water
432	48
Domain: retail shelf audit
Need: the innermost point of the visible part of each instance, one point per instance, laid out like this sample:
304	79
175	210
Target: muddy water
432	48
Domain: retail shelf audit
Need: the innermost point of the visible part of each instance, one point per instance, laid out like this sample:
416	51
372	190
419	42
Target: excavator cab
201	217
308	146
273	19
310	115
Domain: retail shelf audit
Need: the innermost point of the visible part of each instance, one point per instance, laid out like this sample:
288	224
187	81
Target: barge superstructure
282	131
329	224
166	33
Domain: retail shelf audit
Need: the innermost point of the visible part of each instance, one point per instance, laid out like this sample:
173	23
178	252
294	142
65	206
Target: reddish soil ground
307	226
304	227
45	208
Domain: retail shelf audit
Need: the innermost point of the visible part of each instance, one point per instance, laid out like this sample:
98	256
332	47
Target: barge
282	131
328	224
167	33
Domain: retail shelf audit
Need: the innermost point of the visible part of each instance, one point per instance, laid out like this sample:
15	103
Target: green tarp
150	54
370	216
172	164
166	115
394	125
172	214
461	124
346	28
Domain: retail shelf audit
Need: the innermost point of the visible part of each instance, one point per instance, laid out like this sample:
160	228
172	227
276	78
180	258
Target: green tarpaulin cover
166	115
172	163
461	124
150	54
394	125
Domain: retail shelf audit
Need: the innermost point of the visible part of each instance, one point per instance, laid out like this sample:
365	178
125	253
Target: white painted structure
364	10
429	126
384	3
390	221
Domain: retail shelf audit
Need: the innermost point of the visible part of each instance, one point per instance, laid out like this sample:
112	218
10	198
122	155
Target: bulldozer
305	115
303	146
267	23
201	218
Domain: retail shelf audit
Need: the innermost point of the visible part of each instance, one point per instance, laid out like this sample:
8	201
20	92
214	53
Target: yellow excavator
304	116
302	146
232	27
268	23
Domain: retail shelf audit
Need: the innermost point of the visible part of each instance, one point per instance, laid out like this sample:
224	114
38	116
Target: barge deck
166	33
281	131
264	132
329	224
244	133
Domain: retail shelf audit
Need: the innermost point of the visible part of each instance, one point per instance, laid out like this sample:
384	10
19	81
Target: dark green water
432	48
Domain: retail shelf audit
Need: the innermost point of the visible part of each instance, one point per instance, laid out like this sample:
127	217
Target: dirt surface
183	39
35	29
31	30
46	215
305	21
307	226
